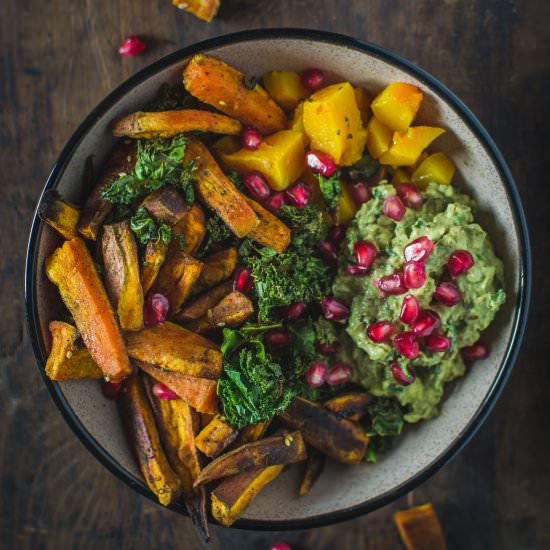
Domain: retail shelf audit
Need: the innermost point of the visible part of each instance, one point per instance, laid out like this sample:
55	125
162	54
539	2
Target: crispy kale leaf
172	97
308	225
364	168
385	421
147	229
331	189
216	232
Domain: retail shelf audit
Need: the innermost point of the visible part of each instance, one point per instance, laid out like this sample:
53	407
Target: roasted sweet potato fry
200	306
176	349
215	437
166	124
250	433
203	9
215	190
153	258
231	311
232	496
280	449
121	161
175	424
217	267
352	406
271	231
176	278
200	393
72	269
420	529
59	214
191	228
67	360
222	86
315	464
165	205
343	440
143	436
122	277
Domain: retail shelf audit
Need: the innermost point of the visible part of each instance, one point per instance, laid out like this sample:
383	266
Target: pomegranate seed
293	311
277	338
447	294
131	46
356	270
428	321
111	390
459	262
392	284
406	344
365	253
316	373
251	138
360	192
313	79
333	309
414	274
409	309
327	349
381	331
275	201
298	195
320	163
242	279
257	186
339	374
475	352
376	283
405	378
394	208
155	309
328	252
410	195
435	342
162	392
280	545
419	249
336	234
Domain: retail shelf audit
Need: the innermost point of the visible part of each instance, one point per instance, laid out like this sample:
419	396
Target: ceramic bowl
342	491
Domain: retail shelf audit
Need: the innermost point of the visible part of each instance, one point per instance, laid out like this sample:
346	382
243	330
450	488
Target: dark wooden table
59	58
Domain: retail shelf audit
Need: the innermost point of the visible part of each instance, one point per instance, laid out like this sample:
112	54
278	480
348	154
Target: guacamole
446	217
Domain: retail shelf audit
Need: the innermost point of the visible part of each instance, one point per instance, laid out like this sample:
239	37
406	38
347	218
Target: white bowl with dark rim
342	491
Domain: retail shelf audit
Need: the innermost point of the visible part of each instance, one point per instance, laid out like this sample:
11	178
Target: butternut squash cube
347	208
378	138
407	146
397	105
280	158
297	122
285	87
437	168
333	123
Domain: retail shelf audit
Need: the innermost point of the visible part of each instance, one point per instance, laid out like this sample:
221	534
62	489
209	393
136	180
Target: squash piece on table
280	158
72	269
378	139
285	87
420	529
397	105
203	9
333	123
437	168
59	214
407	146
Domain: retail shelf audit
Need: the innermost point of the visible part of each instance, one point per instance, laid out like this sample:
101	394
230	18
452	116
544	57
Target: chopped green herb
182	244
216	232
147	229
386	417
250	82
331	189
364	168
307	224
325	331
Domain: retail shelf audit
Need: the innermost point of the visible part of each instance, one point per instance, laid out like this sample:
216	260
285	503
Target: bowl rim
521	310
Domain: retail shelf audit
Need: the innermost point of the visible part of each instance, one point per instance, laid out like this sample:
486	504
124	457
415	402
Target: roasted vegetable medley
264	275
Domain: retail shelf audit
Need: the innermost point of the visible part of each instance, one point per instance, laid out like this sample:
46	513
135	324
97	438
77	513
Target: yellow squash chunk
333	123
397	105
153	258
233	495
363	100
401	175
60	215
378	138
297	123
67	360
215	437
218	192
271	231
203	9
437	168
407	146
227	89
285	87
420	529
280	158
347	207
122	277
144	438
72	269
174	348
217	267
227	145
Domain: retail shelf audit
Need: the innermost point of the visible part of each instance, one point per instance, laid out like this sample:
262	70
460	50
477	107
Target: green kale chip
331	189
386	417
364	168
147	229
308	225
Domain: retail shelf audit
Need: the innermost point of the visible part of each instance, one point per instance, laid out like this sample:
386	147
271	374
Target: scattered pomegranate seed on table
257	186
447	294
275	201
410	195
293	311
242	279
277	338
392	284
328	252
414	275
419	249
111	390
320	163
155	309
280	545
428	321
333	309
436	342
410	309
339	374
298	195
316	373
459	262
327	349
394	208
163	392
475	352
251	138
381	331
313	79
407	345
131	46
400	376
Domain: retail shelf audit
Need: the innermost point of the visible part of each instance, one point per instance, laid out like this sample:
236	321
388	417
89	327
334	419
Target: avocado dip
446	218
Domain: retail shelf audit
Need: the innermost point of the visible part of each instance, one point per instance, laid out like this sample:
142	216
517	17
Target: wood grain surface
59	58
